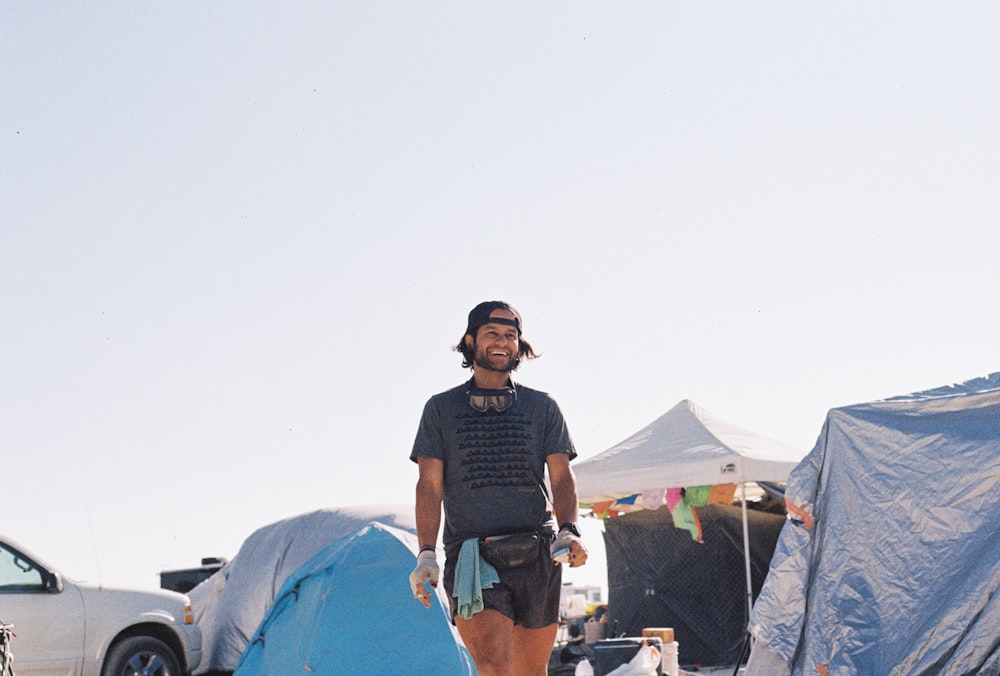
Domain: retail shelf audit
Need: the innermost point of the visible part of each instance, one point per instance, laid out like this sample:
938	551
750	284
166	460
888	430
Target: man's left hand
568	548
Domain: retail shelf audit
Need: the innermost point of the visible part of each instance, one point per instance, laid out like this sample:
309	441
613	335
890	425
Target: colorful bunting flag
680	501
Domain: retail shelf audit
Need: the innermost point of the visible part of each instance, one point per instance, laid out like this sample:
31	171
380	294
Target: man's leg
489	636
533	649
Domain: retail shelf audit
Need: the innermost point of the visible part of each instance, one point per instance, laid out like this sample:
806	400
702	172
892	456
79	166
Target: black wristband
428	548
571	527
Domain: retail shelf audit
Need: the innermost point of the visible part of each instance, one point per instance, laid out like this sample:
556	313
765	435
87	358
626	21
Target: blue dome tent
349	610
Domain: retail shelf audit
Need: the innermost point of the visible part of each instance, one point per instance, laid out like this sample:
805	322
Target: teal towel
472	575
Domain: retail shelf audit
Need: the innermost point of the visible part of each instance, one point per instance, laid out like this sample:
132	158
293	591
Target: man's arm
427	511
567	508
564	499
430	493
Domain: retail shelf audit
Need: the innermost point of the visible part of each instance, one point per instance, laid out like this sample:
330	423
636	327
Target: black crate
611	653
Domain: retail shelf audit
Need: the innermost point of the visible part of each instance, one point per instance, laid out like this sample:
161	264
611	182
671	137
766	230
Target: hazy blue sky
240	238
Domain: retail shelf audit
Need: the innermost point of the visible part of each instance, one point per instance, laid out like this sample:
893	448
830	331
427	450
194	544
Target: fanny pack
510	551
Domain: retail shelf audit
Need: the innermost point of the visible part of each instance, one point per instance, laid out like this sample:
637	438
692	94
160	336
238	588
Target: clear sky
238	239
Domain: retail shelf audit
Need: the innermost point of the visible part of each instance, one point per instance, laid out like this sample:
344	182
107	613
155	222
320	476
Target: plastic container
668	662
611	653
593	631
668	659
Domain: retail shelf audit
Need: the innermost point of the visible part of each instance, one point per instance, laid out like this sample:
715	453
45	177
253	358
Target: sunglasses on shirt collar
498	400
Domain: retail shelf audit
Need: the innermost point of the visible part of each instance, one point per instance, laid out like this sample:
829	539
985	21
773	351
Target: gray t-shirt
494	463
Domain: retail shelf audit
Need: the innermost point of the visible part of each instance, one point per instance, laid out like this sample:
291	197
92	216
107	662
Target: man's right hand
426	571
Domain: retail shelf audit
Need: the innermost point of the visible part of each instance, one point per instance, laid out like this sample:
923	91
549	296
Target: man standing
482	449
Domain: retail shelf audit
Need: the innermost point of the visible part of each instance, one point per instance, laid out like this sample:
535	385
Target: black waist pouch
510	551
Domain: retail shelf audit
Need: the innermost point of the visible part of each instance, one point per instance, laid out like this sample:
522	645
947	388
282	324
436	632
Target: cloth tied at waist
472	575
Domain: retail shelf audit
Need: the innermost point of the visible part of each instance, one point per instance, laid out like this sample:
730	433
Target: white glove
426	571
568	547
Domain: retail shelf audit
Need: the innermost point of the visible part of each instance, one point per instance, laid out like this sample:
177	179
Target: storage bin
611	653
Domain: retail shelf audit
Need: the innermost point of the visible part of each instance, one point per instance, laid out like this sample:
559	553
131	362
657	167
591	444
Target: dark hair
524	351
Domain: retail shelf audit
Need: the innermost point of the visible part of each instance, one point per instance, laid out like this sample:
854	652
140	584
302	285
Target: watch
571	527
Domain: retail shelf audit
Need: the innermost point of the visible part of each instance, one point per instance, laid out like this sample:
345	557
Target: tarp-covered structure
659	577
229	605
349	610
891	562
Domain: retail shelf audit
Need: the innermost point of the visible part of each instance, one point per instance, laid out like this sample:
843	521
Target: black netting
658	576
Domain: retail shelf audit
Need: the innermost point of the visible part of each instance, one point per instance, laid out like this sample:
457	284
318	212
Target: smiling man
483	449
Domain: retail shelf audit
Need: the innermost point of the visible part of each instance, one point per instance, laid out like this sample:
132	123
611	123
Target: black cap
481	315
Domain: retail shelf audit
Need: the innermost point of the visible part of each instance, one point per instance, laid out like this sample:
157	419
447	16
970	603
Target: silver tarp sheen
890	560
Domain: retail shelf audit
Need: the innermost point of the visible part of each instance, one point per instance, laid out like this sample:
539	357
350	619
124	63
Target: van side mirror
53	582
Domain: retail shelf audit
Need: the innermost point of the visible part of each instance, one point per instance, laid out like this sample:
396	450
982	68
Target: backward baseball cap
481	315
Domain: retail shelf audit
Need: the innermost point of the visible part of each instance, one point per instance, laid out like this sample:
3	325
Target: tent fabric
686	446
349	610
890	563
230	604
659	577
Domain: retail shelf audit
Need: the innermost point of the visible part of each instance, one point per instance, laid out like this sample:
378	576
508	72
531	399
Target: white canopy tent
686	446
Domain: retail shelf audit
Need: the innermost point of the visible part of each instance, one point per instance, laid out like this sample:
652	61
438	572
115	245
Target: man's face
495	346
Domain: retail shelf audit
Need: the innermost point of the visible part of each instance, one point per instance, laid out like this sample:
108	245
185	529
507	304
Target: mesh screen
659	577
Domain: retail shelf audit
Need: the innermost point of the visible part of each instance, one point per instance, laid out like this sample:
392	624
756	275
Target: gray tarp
230	605
890	562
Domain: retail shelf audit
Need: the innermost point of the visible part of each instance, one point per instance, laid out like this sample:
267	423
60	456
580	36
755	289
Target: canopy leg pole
746	548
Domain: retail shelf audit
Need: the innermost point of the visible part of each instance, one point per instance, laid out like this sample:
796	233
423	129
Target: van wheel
141	656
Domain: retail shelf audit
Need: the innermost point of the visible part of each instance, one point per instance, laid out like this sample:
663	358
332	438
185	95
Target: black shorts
528	594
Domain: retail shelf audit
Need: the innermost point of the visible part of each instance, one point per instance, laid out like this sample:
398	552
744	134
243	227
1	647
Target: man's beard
482	361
